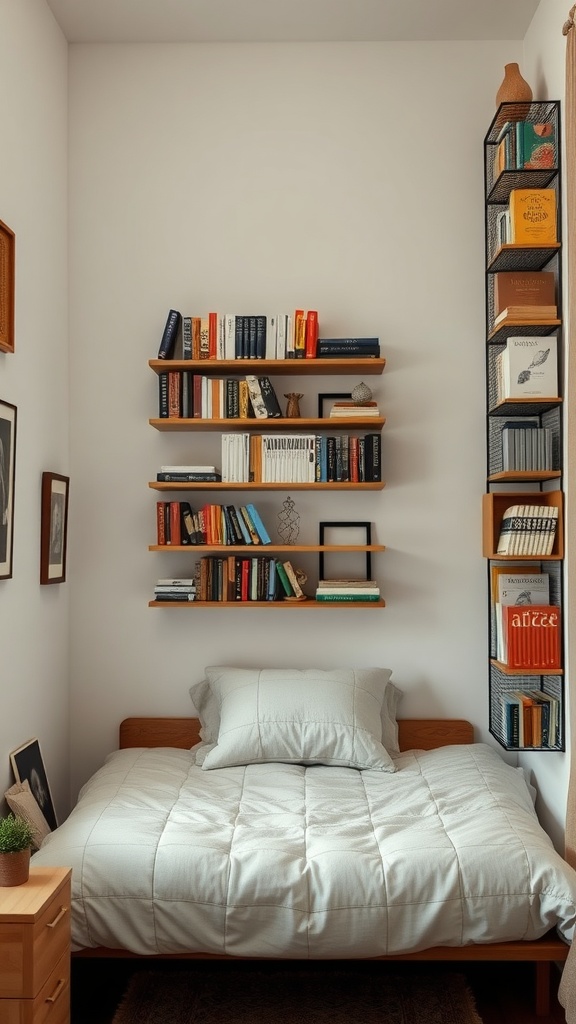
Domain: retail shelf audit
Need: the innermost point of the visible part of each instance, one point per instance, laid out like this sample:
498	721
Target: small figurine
293	407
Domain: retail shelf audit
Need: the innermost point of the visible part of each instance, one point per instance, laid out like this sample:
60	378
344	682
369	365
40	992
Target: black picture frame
28	766
347	525
54	527
8	421
340	395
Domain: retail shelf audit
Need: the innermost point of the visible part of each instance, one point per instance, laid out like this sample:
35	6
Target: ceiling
238	21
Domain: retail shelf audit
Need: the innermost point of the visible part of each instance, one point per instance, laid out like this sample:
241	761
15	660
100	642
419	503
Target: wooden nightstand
35	949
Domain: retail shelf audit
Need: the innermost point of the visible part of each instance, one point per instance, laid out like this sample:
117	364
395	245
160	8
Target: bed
403	840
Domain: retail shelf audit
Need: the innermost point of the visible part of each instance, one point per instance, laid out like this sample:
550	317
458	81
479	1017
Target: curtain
567	991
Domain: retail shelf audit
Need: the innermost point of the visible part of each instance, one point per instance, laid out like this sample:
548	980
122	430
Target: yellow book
533	216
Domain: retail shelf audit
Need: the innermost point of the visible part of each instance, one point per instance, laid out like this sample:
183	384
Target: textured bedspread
277	860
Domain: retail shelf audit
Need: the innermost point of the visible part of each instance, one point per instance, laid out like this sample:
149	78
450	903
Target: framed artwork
7	472
54	528
27	765
340	396
7	264
331	533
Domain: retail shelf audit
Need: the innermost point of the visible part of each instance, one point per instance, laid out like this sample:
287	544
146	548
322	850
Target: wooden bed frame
423	734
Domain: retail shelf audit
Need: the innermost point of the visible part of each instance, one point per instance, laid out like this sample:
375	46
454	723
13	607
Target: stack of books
353	348
347	590
355	409
528	530
530	718
173	589
526	445
188	474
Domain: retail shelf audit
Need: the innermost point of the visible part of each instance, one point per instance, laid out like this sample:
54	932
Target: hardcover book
521	288
529	367
535	144
170	335
533	216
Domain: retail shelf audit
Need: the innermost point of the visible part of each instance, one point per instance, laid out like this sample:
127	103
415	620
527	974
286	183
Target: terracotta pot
14	868
514	88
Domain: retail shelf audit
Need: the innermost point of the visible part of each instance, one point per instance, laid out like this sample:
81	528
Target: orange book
299	327
533	637
196	322
533	216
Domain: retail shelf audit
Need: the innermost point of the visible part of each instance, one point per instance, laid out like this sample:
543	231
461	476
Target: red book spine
160	522
245	580
311	337
213	335
175	523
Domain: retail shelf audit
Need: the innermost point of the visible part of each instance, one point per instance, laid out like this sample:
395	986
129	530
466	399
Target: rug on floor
296	995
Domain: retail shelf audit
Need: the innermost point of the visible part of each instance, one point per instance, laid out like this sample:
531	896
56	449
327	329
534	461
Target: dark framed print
341	396
7	474
7	274
53	542
356	533
28	766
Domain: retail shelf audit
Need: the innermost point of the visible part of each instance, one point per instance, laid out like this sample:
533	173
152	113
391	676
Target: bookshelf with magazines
220	573
523	503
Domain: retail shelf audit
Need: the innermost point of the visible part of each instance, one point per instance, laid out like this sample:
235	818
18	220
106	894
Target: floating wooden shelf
238	549
303	605
334	485
370	424
276	367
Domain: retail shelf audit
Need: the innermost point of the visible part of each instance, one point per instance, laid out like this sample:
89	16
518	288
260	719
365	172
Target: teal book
535	145
259	525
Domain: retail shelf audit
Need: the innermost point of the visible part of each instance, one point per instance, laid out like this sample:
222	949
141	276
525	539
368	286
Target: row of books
347	590
233	336
177	523
241	578
189	395
528	530
530	718
305	458
527	367
526	445
529	219
525	145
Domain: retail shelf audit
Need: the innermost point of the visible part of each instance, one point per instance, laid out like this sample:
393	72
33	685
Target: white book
188	469
221	336
530	367
230	336
281	336
271	329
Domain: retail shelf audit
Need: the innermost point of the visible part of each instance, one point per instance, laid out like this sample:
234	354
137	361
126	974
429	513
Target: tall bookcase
348	367
507	486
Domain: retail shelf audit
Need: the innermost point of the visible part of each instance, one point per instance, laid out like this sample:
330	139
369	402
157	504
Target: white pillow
302	716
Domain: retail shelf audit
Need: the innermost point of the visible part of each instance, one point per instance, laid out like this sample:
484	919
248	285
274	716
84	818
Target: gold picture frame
7	276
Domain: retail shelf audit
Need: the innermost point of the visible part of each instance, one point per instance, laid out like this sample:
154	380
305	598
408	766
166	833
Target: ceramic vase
514	88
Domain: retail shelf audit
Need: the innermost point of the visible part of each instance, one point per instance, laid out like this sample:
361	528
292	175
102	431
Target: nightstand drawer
51	1005
34	933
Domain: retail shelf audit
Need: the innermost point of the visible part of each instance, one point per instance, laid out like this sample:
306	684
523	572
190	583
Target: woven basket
14	868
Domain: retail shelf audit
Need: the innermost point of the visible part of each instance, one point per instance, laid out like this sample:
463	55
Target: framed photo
7	264
340	396
7	472
54	527
27	765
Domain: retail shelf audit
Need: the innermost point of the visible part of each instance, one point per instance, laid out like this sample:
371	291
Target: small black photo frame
54	527
352	525
343	396
28	766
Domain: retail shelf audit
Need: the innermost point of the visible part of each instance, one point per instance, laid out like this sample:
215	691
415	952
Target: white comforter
277	860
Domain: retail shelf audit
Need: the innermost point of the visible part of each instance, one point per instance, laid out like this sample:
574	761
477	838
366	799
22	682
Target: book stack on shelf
240	336
343	410
173	589
526	446
530	718
517	587
524	295
230	525
347	590
188	474
528	530
348	348
527	367
301	458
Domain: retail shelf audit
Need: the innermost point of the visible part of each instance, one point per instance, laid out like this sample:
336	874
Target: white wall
33	202
346	178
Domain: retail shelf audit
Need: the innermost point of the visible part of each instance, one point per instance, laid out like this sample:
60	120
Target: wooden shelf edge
512	322
335	485
309	603
265	426
276	367
263	548
520	476
527	671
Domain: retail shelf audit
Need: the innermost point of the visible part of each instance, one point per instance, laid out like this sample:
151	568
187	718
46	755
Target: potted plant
16	841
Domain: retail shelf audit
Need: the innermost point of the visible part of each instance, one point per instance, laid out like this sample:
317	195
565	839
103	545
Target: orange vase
514	88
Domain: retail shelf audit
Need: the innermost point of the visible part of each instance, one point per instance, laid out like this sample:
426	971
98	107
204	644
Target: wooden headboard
414	733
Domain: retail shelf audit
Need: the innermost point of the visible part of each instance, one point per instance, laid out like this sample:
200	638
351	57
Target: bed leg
542	988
